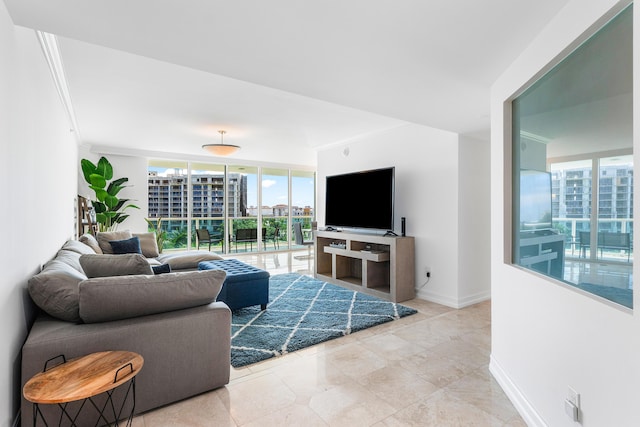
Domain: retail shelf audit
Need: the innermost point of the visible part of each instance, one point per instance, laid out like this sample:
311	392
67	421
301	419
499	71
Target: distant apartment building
168	195
572	194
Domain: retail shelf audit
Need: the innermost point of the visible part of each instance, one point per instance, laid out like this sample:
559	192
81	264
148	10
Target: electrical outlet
572	404
427	272
573	397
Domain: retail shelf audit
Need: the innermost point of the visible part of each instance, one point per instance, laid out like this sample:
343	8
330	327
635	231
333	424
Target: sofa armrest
104	299
186	260
186	352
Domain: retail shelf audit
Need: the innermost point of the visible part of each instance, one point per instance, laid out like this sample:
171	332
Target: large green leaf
120	218
88	168
101	218
111	201
99	207
97	181
115	186
105	169
121	205
100	193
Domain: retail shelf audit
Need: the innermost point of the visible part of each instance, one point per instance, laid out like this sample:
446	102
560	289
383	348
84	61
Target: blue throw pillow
162	268
128	246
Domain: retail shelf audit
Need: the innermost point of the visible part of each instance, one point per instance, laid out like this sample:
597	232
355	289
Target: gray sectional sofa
171	319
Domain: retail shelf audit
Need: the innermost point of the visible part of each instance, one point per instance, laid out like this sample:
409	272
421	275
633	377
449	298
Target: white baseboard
453	302
520	402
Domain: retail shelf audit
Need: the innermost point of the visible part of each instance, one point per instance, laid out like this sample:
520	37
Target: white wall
427	172
547	336
474	233
38	161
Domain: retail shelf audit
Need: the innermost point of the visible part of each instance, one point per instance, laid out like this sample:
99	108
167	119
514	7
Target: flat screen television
535	200
362	199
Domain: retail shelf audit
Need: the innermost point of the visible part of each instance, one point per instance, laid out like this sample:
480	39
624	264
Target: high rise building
168	195
572	194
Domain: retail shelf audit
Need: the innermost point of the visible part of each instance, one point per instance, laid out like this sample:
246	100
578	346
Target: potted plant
160	233
109	209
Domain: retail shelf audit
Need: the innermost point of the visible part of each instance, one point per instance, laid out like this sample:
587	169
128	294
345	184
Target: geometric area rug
304	311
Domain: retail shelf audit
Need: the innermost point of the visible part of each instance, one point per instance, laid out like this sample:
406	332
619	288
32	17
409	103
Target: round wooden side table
83	378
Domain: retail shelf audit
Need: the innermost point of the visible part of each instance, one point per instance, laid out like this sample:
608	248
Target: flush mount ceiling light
221	149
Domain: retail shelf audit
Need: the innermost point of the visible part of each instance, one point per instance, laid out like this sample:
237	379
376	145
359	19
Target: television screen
535	200
360	199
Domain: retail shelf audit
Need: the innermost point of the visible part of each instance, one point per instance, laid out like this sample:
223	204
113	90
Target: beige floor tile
350	404
397	386
440	410
310	375
256	398
429	369
353	360
203	410
291	416
482	391
438	369
391	346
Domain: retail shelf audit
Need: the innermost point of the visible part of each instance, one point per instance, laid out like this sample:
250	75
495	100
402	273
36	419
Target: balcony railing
571	227
181	235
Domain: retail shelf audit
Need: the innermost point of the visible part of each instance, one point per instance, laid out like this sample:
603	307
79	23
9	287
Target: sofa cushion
148	244
114	265
105	299
92	242
127	246
78	247
70	258
104	237
187	259
55	290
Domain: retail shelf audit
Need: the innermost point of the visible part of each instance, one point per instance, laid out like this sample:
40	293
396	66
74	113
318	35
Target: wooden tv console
378	265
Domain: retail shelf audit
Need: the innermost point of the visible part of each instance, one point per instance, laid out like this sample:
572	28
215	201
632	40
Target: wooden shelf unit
386	270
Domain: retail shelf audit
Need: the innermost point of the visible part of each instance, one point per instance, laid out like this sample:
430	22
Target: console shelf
382	266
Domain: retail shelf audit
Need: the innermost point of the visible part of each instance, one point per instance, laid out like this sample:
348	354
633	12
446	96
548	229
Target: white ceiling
283	77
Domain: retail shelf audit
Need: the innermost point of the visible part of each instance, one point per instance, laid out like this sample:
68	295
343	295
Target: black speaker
403	226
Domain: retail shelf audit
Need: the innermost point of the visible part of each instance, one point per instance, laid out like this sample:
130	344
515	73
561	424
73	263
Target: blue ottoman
244	286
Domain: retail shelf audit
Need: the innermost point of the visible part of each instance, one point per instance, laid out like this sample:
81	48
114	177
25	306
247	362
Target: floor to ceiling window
573	167
169	202
242	196
207	226
219	207
275	207
303	196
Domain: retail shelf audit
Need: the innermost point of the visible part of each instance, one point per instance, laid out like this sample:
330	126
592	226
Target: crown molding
49	44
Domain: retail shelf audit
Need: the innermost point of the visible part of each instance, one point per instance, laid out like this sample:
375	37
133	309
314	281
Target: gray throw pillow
104	237
92	242
55	290
148	244
106	299
114	265
78	247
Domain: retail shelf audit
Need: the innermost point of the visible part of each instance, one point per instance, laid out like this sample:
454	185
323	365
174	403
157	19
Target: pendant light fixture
221	149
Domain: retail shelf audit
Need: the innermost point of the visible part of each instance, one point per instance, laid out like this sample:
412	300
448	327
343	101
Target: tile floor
429	369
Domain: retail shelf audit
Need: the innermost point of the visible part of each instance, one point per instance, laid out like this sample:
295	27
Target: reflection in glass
573	169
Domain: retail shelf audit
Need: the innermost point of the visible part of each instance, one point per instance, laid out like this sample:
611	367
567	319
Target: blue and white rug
303	311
